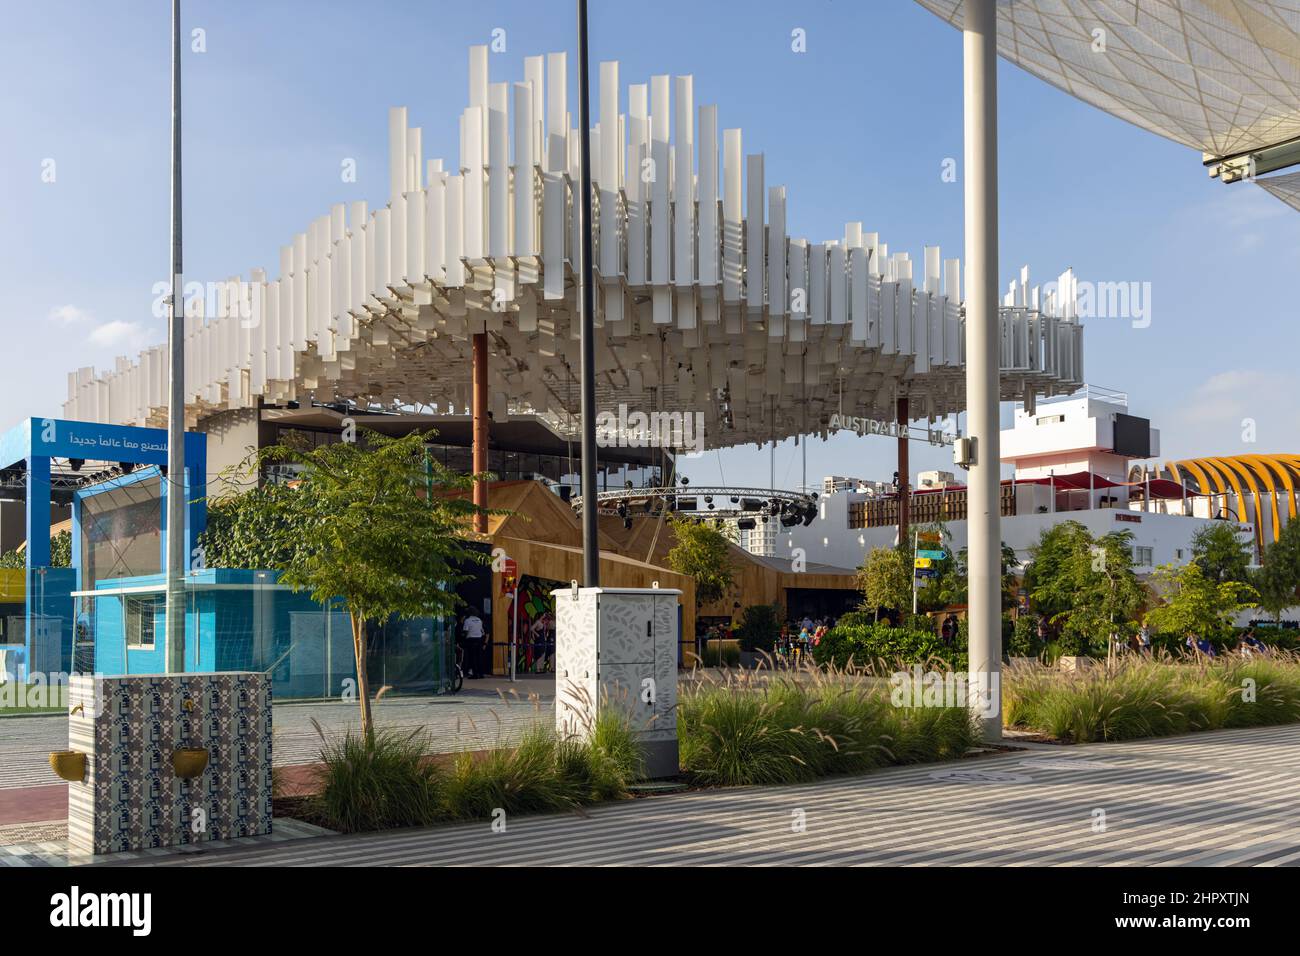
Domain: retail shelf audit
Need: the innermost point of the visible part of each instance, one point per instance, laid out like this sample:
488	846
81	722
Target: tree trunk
363	680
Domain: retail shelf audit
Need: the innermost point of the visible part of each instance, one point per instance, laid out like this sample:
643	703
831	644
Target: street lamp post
590	544
979	39
175	656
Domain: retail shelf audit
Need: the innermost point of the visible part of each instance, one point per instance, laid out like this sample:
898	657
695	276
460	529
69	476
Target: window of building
141	615
1143	557
1178	553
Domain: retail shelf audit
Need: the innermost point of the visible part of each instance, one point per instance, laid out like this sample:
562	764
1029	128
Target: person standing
474	641
1144	638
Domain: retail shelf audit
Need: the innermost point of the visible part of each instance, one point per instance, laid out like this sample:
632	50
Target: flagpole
175	577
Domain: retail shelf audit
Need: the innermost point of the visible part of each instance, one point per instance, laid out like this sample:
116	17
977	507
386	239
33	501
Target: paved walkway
485	714
1222	798
47	845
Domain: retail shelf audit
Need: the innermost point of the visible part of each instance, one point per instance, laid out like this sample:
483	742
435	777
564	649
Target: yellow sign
924	562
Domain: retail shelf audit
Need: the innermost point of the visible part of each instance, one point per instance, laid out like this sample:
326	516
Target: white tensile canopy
704	302
1220	76
1285	188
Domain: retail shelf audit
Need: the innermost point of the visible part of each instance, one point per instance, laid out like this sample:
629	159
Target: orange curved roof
1255	476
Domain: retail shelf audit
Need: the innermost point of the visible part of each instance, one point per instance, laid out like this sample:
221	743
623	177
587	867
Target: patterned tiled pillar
128	727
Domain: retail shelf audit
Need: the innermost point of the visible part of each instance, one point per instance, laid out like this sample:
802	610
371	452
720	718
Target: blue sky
857	128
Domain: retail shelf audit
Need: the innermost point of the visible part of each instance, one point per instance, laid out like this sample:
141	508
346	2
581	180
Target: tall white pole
979	39
175	658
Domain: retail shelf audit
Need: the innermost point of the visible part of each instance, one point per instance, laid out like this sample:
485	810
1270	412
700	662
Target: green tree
760	627
253	529
885	580
360	524
703	553
1278	578
60	553
1190	601
1108	592
1085	587
1049	576
1220	552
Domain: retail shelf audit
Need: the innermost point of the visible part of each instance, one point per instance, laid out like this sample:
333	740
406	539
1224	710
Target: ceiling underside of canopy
1219	76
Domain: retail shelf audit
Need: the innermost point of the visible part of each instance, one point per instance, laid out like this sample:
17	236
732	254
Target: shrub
377	784
750	730
760	627
601	767
866	643
1023	641
731	738
524	779
391	782
1145	697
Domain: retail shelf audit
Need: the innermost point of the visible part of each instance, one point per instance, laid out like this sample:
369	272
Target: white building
761	539
1073	459
834	483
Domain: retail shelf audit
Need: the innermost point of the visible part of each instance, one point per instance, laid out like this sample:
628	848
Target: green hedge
862	641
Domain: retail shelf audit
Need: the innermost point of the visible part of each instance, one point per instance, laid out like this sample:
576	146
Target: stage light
746	524
789	520
76	463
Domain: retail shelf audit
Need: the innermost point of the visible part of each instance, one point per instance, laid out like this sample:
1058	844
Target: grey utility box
616	648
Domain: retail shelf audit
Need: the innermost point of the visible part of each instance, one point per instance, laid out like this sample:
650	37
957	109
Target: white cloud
69	315
118	334
1231	395
1227	396
1230	413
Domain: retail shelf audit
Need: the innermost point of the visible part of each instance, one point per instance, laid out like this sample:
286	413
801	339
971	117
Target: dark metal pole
590	544
904	474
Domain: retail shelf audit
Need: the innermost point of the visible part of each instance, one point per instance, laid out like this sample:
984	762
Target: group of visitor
798	638
1248	643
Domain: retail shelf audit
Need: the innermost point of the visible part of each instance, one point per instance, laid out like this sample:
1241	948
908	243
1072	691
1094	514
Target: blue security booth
105	613
47	461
